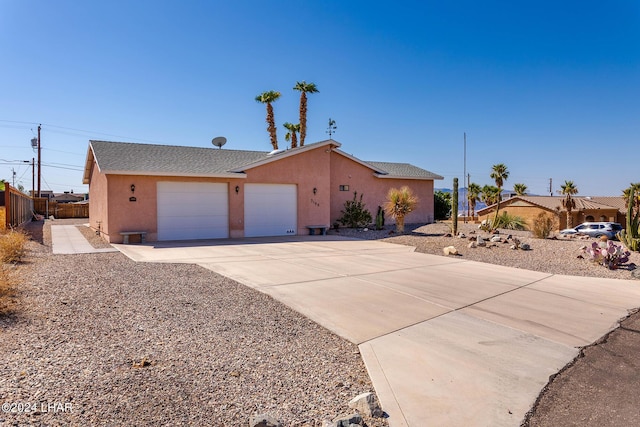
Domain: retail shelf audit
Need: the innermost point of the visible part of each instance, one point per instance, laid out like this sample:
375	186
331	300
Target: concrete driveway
447	342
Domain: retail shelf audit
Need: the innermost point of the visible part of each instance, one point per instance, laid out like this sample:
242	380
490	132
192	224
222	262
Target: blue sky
551	89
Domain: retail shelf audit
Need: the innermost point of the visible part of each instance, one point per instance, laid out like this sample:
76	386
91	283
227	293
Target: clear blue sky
549	88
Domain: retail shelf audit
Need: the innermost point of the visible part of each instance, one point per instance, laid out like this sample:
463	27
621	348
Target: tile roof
555	202
152	159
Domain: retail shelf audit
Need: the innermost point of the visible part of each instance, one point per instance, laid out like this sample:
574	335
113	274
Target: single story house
587	209
183	193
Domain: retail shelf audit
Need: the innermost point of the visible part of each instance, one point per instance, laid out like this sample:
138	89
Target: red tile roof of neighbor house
150	159
554	203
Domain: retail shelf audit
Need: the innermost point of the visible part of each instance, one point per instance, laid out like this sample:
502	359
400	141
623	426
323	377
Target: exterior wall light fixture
315	190
133	188
237	189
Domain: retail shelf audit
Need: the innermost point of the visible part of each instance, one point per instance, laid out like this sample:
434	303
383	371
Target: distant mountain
462	199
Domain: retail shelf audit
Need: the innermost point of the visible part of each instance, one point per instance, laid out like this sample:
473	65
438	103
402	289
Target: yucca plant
400	202
510	222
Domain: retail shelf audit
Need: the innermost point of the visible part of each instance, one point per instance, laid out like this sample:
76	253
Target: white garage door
192	210
270	210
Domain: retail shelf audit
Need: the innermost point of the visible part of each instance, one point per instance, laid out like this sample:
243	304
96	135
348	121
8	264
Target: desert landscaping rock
124	343
366	404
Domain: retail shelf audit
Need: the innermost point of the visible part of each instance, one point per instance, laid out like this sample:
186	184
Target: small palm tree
499	173
520	189
304	89
489	194
292	135
627	192
568	189
268	98
400	202
473	195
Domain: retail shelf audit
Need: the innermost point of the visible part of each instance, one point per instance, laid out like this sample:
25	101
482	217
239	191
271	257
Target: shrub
442	205
543	225
13	246
510	222
607	253
355	214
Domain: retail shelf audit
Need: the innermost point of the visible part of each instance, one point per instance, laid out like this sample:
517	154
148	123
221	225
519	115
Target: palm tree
304	88
292	135
399	204
627	192
489	194
499	173
520	189
267	98
473	195
568	189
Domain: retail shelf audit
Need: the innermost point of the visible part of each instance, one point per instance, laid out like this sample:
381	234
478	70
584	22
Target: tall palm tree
292	135
473	195
568	189
520	189
499	173
268	98
304	89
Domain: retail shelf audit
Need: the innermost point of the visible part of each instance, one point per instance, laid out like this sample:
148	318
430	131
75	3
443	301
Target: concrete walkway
447	342
67	239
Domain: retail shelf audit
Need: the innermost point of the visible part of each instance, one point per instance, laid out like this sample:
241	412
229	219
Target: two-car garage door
200	210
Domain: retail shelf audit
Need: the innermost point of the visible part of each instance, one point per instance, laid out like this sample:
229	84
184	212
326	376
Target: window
344	188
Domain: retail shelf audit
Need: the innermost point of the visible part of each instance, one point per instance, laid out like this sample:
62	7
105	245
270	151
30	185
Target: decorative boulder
525	246
366	404
472	245
480	241
496	239
264	420
347	420
462	236
450	250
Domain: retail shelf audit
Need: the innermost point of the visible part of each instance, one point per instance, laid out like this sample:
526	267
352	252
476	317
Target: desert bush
355	214
510	222
13	246
543	225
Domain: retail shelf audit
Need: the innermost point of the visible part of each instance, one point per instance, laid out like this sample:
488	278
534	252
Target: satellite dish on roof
219	141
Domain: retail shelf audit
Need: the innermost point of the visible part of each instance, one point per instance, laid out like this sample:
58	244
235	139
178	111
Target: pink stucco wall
318	168
362	179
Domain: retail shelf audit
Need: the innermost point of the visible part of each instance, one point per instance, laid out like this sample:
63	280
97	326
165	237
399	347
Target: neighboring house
67	197
587	209
44	194
181	193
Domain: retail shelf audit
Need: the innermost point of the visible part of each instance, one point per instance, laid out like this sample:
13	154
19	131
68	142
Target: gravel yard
107	341
556	256
97	339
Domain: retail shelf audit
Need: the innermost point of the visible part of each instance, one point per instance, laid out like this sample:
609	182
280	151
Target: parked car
595	229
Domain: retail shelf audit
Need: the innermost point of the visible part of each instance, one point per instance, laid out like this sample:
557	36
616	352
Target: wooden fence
49	208
16	208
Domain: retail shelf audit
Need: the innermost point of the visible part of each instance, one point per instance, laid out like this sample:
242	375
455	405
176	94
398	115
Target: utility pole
33	177
13	177
466	198
551	186
39	161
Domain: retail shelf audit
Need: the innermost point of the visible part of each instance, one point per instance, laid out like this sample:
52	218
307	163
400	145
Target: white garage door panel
270	210
192	210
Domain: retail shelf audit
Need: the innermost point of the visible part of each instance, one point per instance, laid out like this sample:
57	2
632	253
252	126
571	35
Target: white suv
595	229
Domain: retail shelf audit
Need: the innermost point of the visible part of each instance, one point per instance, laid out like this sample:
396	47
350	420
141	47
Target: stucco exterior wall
529	213
98	215
361	179
307	170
